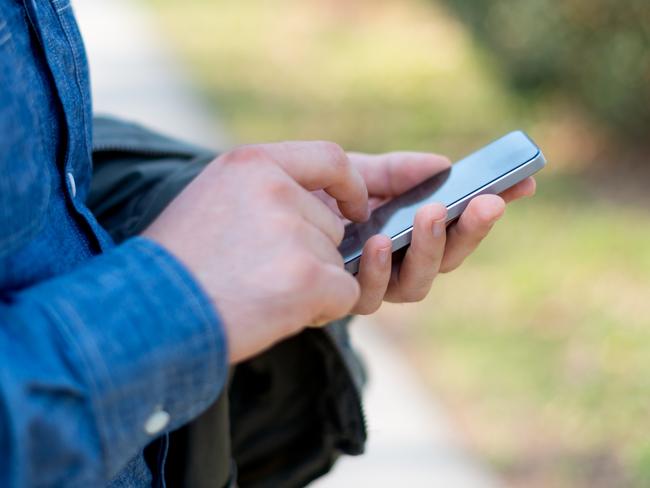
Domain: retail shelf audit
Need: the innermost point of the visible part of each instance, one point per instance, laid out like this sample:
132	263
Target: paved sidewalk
134	76
411	442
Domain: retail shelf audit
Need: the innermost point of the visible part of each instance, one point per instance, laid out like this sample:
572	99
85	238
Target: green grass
540	343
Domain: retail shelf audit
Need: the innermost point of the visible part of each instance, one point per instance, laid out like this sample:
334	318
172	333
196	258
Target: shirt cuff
149	341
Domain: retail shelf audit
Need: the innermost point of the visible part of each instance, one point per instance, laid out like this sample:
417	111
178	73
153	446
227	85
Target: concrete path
134	76
411	442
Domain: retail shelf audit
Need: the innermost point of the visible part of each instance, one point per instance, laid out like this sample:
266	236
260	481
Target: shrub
594	52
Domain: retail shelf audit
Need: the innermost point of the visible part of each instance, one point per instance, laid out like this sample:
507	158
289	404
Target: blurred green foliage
370	75
593	52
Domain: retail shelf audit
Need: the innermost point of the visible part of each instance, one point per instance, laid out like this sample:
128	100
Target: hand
261	245
434	248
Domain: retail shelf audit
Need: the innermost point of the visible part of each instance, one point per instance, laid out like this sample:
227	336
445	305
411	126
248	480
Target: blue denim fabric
94	337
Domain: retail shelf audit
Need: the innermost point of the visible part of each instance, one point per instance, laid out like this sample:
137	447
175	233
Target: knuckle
431	255
416	294
471	234
485	209
278	189
336	155
242	154
447	267
298	277
475	237
307	272
367	308
425	253
284	224
484	223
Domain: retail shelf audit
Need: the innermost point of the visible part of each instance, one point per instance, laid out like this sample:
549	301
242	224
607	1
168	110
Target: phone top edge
512	138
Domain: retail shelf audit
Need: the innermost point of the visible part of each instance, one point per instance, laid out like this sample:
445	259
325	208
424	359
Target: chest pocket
25	182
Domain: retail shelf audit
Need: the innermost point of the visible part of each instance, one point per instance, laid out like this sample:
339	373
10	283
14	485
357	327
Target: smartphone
492	169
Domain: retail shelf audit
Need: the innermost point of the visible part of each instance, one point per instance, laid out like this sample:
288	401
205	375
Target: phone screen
463	178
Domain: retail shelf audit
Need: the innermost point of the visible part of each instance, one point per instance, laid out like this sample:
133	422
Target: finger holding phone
434	247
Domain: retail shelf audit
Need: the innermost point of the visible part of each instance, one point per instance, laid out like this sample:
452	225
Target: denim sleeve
87	358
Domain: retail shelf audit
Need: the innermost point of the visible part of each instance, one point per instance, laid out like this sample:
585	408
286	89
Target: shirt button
157	421
72	184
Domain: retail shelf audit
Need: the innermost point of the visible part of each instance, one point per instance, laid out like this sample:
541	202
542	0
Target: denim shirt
103	348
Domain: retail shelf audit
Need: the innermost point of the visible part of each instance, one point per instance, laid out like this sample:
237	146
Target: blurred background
539	346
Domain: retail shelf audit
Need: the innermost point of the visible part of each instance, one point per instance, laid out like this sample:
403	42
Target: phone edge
502	183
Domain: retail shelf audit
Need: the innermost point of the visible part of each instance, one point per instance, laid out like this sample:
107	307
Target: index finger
321	165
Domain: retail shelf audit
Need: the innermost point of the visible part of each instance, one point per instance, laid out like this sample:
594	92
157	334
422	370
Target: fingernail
439	228
382	255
